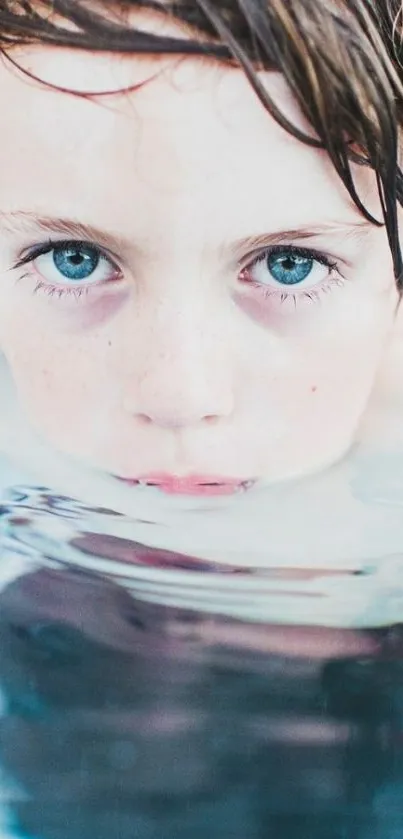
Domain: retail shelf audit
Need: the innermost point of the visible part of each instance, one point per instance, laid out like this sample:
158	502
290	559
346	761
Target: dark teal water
127	718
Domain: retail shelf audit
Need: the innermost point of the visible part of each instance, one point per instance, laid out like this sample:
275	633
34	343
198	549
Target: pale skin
183	352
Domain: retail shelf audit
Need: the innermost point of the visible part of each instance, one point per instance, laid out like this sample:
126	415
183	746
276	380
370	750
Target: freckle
314	388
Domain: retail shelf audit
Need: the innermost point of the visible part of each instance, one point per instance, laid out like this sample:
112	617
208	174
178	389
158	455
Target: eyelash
312	294
62	291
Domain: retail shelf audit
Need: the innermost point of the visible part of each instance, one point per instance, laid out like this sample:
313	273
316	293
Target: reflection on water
150	693
40	528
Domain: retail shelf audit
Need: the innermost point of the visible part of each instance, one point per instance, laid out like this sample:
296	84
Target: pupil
76	263
288	269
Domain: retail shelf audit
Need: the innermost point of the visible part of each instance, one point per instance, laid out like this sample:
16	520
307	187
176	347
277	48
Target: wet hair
342	59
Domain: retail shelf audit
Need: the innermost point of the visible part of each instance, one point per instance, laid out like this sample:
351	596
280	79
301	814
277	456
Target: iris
288	268
76	263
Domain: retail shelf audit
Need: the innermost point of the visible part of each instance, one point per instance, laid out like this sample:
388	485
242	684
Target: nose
181	375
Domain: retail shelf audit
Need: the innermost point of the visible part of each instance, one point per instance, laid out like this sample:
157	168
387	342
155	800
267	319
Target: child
199	205
200	285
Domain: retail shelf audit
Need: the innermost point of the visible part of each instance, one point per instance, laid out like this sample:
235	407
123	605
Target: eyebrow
25	221
357	230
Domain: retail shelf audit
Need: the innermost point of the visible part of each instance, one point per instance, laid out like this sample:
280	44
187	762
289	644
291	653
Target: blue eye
76	262
282	267
288	268
69	263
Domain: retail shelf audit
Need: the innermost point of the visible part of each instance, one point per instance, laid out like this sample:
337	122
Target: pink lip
191	484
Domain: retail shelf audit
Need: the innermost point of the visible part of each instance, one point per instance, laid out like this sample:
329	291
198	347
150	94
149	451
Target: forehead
189	125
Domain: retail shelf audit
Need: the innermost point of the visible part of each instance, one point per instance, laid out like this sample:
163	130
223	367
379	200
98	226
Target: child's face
184	348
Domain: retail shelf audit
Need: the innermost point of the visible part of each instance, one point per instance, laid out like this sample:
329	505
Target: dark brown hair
341	58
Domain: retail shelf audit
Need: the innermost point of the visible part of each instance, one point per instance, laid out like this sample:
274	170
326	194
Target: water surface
149	692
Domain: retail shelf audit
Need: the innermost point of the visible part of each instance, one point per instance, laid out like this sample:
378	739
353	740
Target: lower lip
185	486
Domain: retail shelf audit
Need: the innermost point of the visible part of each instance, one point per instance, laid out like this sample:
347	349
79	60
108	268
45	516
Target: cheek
52	387
339	382
316	379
